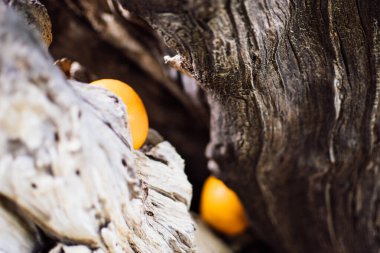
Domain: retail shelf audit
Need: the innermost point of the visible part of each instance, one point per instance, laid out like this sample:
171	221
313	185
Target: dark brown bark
293	88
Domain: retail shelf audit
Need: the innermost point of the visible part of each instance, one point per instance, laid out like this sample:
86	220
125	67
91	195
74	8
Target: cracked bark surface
293	88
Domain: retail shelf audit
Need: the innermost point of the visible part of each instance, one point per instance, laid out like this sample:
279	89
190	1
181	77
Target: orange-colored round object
221	208
137	116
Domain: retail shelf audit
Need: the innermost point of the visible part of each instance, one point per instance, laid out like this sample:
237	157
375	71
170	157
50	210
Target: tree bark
293	88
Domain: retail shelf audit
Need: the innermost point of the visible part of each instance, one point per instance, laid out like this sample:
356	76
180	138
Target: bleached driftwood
67	168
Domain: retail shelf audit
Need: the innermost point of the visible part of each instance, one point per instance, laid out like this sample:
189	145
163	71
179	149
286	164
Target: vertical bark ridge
293	100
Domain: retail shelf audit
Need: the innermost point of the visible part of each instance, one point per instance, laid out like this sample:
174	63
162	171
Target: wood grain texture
67	167
77	39
293	92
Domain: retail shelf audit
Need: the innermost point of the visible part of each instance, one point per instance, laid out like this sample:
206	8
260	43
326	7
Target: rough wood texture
67	166
76	38
293	88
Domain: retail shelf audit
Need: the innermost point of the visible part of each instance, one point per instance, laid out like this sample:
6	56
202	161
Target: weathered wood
107	57
134	39
293	91
67	166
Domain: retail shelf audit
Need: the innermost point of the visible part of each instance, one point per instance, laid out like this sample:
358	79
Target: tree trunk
293	88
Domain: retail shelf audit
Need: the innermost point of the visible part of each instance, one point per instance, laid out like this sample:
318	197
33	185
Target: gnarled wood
293	91
67	166
76	38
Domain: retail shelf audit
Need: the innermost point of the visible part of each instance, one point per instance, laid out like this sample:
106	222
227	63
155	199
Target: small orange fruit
137	116
221	208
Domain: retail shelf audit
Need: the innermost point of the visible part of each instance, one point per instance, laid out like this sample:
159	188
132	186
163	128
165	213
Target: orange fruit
221	208
137	116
